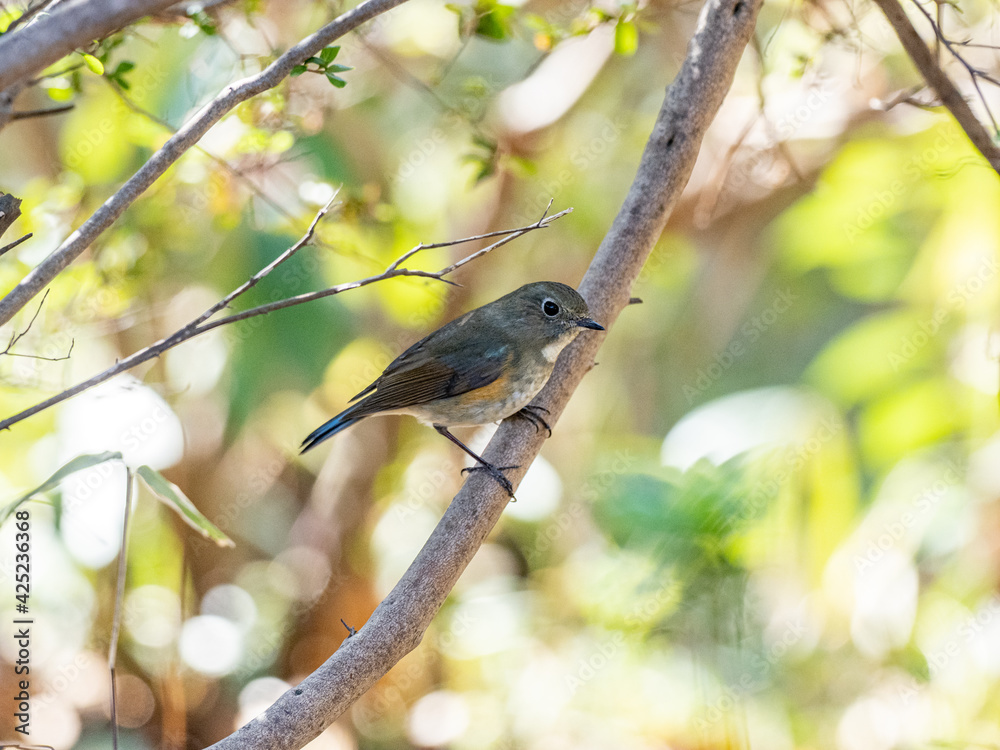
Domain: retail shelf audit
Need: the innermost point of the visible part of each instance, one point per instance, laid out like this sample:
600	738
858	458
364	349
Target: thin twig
15	243
393	271
29	113
405	76
262	273
55	74
15	337
974	73
177	145
233	171
202	324
906	96
116	620
67	355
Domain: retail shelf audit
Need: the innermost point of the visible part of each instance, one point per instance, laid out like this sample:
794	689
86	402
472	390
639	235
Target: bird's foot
494	471
533	415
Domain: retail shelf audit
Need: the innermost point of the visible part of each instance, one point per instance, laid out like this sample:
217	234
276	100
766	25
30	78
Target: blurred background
769	518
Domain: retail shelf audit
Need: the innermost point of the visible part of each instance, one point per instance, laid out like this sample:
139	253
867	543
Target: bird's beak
589	323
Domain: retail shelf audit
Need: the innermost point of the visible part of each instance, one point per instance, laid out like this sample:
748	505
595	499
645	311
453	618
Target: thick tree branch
938	80
188	135
202	324
71	25
399	622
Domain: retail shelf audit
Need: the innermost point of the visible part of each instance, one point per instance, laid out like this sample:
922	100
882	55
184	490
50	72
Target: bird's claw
531	413
494	471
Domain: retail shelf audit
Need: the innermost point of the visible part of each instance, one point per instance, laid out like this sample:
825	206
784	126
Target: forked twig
15	337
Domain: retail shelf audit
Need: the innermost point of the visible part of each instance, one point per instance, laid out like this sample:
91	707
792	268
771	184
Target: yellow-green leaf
170	494
95	65
626	38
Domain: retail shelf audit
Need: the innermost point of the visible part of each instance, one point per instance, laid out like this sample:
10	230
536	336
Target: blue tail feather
328	429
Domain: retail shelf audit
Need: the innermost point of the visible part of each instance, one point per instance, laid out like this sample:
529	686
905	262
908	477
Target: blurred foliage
768	519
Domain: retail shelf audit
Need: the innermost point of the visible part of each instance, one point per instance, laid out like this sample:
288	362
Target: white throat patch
551	351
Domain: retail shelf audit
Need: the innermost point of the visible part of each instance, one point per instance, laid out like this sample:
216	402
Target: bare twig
177	145
15	337
943	86
67	355
15	243
392	271
906	96
229	168
399	622
202	324
30	113
974	73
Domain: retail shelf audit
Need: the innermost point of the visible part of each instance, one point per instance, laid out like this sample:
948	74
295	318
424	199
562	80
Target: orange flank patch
496	392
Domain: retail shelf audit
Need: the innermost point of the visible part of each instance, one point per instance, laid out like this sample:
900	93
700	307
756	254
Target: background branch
202	324
186	137
10	210
73	24
938	80
15	243
399	622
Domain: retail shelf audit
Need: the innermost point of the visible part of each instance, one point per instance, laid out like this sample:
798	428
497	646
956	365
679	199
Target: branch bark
188	135
399	622
72	25
10	210
938	80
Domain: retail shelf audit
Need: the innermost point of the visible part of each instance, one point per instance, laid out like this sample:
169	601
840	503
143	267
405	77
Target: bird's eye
550	308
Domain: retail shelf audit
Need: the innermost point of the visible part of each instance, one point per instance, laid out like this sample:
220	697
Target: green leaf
95	65
298	70
329	54
316	61
59	93
121	70
170	494
7	17
497	23
626	38
338	68
338	82
204	22
77	464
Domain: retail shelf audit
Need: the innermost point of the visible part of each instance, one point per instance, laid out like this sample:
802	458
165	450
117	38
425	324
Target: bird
484	366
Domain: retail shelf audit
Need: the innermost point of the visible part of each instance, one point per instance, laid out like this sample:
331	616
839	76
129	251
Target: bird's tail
340	422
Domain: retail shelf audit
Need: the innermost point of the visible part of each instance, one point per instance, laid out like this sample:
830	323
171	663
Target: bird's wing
462	360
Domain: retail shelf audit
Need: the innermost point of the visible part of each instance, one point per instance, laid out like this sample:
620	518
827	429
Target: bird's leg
531	413
494	471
